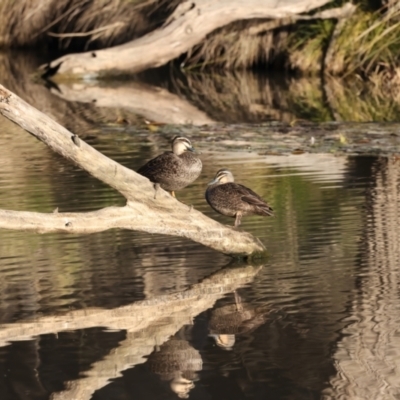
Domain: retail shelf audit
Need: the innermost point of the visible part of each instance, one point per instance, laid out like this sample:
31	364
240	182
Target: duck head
222	176
181	144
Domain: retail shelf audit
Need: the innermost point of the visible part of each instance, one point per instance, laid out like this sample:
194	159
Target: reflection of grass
305	98
354	100
235	97
303	208
344	100
250	97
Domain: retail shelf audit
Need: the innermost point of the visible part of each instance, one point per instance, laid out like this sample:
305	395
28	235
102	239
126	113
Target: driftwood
187	26
163	215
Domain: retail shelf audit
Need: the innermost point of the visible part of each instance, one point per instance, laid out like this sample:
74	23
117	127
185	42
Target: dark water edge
172	95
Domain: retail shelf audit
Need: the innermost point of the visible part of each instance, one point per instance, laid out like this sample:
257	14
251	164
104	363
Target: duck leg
156	187
238	219
238	301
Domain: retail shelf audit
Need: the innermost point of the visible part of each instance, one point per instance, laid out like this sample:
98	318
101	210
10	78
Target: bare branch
163	215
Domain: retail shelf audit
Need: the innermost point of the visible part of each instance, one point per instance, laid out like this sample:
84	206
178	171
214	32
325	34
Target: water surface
121	314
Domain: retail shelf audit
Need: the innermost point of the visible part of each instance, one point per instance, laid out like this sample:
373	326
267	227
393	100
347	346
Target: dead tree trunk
164	215
188	25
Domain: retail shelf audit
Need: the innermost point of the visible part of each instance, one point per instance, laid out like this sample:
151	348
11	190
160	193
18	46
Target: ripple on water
320	314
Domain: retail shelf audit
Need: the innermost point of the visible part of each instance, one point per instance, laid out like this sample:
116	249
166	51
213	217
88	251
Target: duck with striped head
173	170
234	200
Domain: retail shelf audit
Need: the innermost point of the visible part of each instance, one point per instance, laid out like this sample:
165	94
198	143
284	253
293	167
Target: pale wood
190	23
163	215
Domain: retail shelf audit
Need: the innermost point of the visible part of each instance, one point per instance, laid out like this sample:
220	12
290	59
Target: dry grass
306	45
367	42
79	24
239	45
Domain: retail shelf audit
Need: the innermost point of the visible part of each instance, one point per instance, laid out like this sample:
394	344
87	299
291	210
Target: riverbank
334	38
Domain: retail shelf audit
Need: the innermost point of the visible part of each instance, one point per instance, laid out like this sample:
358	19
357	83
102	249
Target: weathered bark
164	215
188	25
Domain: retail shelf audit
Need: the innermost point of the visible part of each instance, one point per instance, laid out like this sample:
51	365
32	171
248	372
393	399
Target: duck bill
215	180
193	150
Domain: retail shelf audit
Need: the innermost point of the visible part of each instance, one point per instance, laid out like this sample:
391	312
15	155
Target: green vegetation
366	43
374	42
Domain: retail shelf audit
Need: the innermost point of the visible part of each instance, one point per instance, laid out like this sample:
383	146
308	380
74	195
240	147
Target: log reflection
198	98
151	102
148	323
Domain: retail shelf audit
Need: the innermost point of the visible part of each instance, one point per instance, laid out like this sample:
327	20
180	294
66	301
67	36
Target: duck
173	170
234	200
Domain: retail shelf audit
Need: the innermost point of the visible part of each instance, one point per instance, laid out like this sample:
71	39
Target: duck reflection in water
224	340
234	200
173	170
228	321
177	362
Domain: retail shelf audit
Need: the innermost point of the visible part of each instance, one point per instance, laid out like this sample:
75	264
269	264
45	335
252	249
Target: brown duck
174	170
234	200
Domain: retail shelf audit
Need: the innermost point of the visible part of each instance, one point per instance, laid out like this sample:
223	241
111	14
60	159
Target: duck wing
158	166
252	198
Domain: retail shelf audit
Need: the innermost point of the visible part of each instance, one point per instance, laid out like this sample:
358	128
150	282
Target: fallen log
163	215
186	27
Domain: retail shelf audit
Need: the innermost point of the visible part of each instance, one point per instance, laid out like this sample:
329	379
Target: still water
127	315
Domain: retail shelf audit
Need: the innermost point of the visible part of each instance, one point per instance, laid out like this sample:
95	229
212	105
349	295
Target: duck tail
265	210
